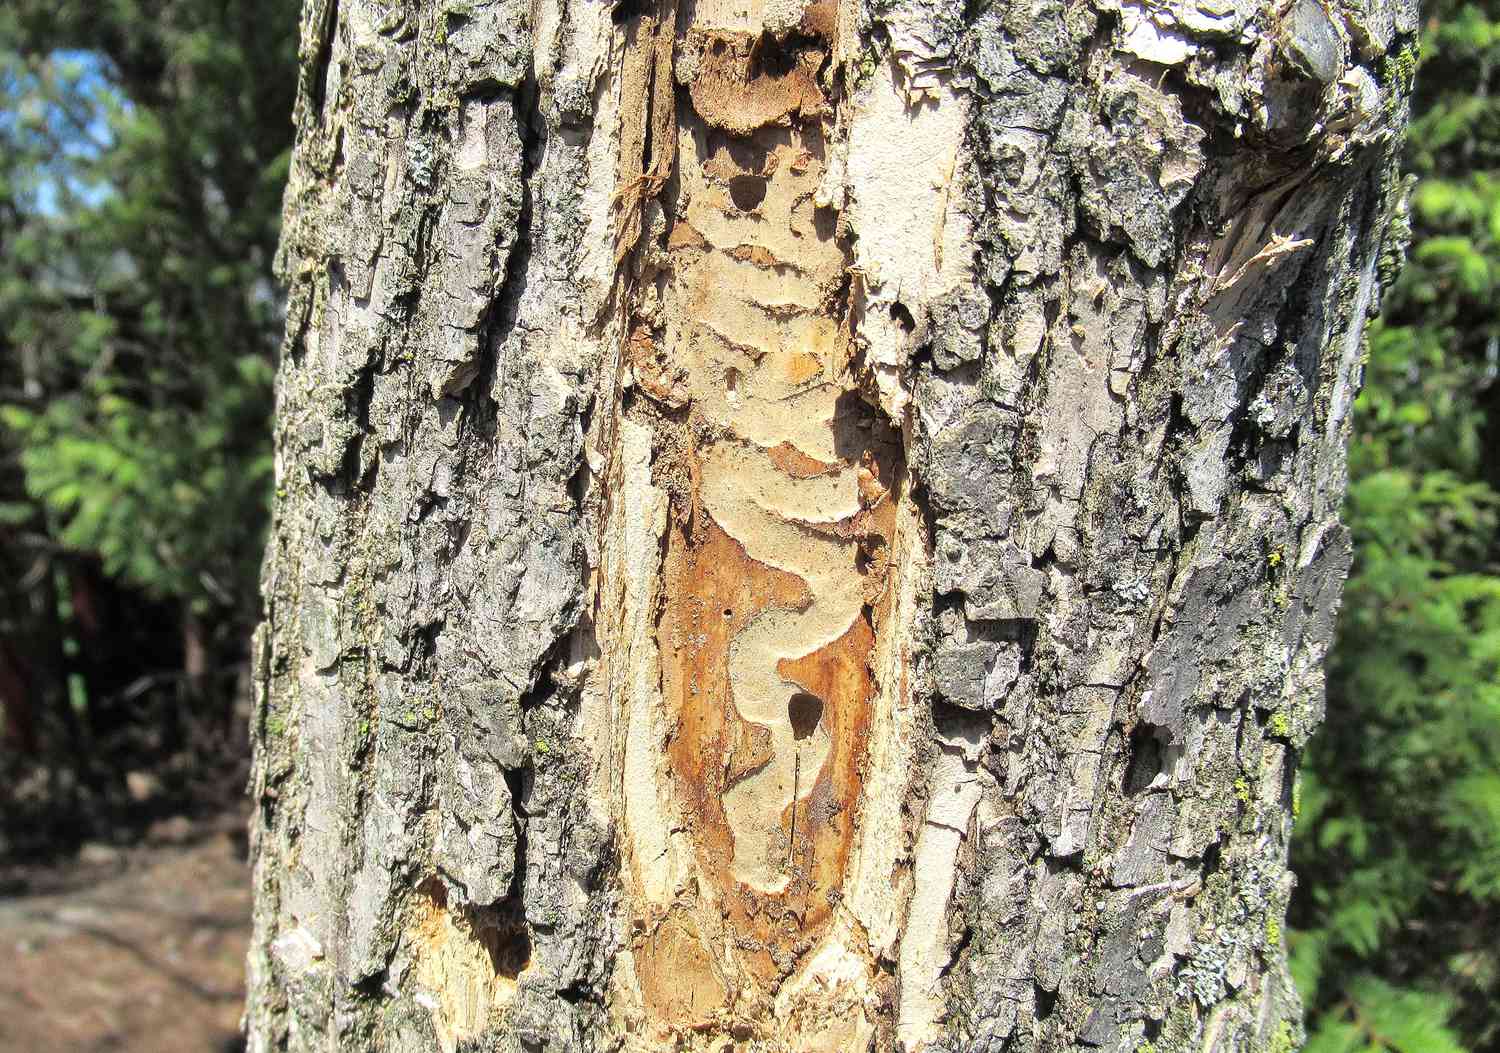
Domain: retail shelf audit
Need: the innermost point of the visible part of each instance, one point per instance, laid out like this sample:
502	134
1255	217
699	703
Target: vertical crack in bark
533	131
323	24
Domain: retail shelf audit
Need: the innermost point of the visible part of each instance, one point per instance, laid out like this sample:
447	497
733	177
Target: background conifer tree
1398	851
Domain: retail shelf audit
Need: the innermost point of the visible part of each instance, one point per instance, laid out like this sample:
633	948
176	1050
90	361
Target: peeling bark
808	526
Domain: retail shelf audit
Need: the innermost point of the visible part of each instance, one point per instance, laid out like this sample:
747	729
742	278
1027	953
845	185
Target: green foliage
141	170
105	467
143	149
1398	850
1376	1016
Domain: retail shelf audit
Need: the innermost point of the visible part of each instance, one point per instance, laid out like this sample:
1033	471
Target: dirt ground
136	950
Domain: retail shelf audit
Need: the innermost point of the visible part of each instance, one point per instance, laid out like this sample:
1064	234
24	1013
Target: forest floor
130	950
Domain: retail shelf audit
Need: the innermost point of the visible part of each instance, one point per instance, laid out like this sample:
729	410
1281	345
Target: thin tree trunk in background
17	702
808	527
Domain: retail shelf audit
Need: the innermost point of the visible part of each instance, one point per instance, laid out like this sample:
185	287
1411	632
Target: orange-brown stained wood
775	571
739	92
820	18
796	464
713	590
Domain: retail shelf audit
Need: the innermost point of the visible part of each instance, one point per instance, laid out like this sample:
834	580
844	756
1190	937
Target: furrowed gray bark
808	526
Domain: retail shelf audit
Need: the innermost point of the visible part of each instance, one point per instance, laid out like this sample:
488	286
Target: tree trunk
808	527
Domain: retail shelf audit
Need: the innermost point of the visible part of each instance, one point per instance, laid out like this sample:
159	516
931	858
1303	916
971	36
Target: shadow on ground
130	951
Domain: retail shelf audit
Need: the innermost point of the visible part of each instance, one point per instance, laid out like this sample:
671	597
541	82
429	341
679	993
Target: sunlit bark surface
808	527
